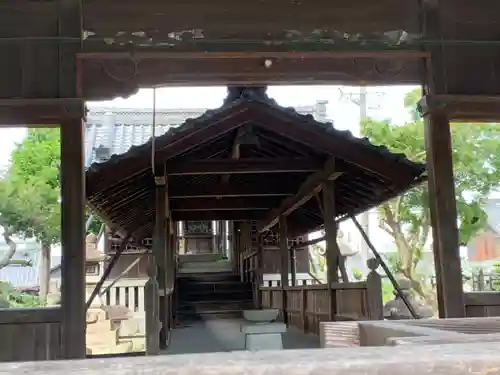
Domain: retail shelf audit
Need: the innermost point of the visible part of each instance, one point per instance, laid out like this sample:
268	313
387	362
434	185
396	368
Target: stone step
192	258
212	276
209	315
202	306
103	337
122	347
219	296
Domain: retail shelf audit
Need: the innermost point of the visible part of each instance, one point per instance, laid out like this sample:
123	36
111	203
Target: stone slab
264	341
263	328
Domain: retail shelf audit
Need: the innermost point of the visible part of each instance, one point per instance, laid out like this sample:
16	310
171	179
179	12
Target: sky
383	103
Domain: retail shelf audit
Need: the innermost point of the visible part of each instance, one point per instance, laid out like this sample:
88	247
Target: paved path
224	336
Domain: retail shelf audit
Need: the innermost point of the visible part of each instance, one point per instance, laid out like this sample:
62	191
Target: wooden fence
305	306
32	334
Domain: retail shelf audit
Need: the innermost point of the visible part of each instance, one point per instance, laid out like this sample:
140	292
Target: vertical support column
151	306
293	265
259	272
283	241
332	250
159	252
443	211
73	240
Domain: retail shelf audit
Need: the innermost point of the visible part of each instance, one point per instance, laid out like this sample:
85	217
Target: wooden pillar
72	179
293	265
443	212
332	251
159	251
259	279
283	241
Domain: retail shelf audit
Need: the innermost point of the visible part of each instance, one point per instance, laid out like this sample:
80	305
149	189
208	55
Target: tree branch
7	258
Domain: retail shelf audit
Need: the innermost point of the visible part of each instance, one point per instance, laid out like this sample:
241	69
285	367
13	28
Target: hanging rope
153	135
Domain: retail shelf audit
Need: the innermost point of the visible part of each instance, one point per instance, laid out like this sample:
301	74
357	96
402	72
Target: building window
92	269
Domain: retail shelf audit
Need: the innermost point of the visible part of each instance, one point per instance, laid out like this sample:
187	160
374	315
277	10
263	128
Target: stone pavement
224	336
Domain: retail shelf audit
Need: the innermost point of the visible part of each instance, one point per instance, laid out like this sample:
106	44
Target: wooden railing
30	334
125	292
482	304
307	305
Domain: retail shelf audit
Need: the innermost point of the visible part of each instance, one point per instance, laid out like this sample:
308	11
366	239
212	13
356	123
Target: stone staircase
113	330
212	295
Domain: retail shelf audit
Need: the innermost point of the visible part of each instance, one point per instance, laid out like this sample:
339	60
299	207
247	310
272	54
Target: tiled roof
118	129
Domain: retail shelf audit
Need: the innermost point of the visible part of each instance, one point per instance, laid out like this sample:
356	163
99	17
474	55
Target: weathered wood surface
482	304
459	359
25	316
30	334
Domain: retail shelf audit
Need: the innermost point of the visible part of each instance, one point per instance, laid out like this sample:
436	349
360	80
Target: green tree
30	204
30	197
406	219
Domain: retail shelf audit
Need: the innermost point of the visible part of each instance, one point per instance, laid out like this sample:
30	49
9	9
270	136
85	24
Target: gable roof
121	189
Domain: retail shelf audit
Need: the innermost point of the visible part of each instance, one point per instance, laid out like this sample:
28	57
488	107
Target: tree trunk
44	272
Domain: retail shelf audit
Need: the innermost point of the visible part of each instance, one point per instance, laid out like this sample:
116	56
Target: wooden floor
224	336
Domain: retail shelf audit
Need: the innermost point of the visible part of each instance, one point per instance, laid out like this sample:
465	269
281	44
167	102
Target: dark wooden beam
231	190
311	186
232	203
235	215
40	112
243	166
364	156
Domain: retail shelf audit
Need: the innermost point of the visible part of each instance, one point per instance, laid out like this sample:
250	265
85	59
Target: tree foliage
30	192
30	197
477	173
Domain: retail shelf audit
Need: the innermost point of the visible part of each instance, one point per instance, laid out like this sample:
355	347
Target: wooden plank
30	315
73	240
443	213
482	298
389	54
228	191
219	215
311	186
243	166
454	359
239	203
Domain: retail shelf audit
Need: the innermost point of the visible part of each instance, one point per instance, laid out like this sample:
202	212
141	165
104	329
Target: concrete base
263	336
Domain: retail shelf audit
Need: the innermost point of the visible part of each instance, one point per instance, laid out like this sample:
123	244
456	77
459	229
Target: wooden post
73	240
259	271
332	250
293	264
151	306
283	241
160	243
374	304
443	211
